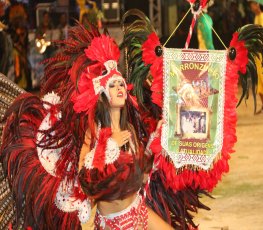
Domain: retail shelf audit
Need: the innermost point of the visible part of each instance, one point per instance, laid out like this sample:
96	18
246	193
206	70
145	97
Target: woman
116	195
79	145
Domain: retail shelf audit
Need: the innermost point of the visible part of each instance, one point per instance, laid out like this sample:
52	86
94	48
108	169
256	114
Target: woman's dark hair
102	113
127	178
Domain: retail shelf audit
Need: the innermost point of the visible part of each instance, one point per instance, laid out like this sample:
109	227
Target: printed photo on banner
193	123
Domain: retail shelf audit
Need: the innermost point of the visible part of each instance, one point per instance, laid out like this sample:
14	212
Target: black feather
135	34
252	35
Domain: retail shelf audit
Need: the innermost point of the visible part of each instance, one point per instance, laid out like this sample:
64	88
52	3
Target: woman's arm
85	149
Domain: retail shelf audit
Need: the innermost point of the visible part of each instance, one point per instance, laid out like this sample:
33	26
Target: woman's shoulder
92	133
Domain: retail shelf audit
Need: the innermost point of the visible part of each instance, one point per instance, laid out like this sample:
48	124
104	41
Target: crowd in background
23	47
22	67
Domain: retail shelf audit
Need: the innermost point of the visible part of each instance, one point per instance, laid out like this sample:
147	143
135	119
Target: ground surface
238	203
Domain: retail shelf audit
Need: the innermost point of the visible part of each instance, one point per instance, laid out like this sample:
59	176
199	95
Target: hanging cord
187	43
196	9
189	35
177	26
214	31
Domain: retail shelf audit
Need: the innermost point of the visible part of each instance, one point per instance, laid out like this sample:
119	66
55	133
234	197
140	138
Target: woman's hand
159	125
121	137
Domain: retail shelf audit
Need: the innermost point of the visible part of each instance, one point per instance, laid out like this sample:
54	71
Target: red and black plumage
144	71
34	189
252	36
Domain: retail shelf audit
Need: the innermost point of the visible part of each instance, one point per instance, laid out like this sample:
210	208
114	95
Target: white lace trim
48	157
51	98
89	159
66	202
112	152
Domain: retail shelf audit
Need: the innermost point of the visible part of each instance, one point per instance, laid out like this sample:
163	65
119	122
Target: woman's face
117	92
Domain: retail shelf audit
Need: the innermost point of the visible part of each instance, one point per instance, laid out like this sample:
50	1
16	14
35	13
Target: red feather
241	59
99	155
102	49
150	58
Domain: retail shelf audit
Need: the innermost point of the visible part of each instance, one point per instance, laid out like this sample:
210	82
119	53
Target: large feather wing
8	92
36	187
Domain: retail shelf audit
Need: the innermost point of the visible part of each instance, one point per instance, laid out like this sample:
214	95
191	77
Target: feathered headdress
104	55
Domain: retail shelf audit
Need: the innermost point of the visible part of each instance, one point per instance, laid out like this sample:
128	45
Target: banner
194	97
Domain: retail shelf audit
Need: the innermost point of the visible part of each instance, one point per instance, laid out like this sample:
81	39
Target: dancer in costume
79	145
111	161
64	152
258	20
